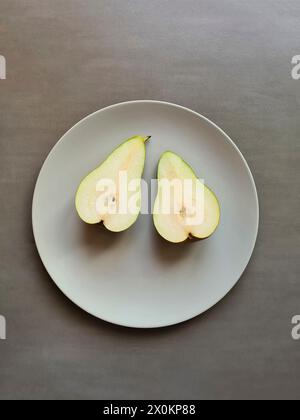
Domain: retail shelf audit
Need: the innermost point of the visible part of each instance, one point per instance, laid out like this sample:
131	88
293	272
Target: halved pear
184	208
111	194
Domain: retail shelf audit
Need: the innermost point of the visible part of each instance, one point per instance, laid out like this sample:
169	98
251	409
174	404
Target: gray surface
228	60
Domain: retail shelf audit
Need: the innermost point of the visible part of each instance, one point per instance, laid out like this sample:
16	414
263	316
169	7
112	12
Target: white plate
137	279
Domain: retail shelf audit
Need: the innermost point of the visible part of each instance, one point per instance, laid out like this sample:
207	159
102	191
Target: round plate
136	279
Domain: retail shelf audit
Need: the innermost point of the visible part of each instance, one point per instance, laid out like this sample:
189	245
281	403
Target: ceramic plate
135	278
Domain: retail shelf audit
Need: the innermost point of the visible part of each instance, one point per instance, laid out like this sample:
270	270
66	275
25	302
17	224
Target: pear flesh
111	194
191	213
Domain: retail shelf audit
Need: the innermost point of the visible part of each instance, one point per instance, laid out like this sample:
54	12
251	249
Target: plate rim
228	139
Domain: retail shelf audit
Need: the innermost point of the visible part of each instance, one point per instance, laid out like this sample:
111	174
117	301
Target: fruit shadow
168	253
97	238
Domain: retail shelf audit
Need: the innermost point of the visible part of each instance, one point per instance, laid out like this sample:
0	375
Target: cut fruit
184	208
111	194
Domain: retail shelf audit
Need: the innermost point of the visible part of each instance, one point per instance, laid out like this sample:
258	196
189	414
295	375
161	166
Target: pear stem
147	138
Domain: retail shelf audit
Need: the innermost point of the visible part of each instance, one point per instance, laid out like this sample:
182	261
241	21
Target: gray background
229	60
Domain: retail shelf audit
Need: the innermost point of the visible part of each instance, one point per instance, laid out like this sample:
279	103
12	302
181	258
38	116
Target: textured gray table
231	61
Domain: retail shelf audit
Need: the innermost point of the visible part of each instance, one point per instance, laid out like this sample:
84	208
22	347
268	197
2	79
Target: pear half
184	207
111	194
